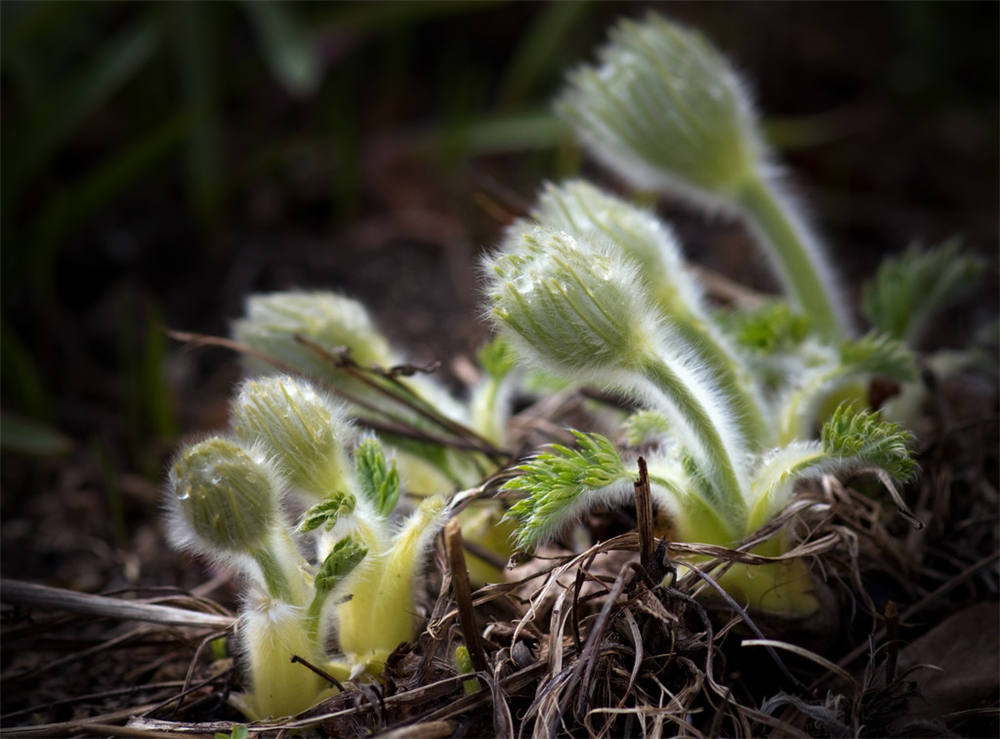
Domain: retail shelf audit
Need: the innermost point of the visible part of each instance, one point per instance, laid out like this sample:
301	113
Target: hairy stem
721	467
748	415
274	575
799	262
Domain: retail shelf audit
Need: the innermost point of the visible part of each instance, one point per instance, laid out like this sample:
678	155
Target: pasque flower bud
226	497
302	431
665	110
576	307
329	320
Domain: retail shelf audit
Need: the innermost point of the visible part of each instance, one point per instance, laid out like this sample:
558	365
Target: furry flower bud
328	320
575	306
579	208
224	497
665	110
300	429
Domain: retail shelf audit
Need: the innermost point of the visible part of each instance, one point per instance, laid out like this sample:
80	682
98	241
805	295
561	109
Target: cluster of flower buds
595	289
226	503
666	111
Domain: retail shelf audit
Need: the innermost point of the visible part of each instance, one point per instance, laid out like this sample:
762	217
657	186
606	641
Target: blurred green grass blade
32	142
496	134
22	23
157	405
290	52
540	49
806	131
377	16
27	436
22	382
79	200
196	45
345	142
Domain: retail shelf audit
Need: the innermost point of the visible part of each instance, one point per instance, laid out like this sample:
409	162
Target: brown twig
403	395
463	595
393	424
33	594
297	660
644	516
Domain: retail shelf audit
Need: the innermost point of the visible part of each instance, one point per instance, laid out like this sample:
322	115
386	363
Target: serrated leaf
645	426
557	480
769	328
328	512
497	357
864	436
908	290
878	354
379	480
342	559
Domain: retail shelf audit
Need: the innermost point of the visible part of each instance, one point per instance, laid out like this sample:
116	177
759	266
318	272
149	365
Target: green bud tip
576	306
329	320
225	498
665	110
301	430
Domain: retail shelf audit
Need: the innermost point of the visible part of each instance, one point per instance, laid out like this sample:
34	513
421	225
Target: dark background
162	161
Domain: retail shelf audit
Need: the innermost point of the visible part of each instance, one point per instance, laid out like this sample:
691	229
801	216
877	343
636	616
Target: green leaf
118	61
862	435
558	482
909	289
645	426
342	559
497	357
197	41
28	436
878	354
328	512
541	43
239	731
771	327
290	51
379	481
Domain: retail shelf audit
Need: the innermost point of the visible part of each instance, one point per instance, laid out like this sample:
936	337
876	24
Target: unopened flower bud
300	429
576	307
331	322
581	209
665	110
226	499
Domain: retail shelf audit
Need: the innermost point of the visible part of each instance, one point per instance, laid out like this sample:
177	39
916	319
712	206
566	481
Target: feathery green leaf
379	481
497	357
771	327
644	426
864	436
909	289
878	354
557	481
328	512
342	559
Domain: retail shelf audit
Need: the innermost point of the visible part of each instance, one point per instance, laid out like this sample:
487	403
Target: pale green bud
665	110
224	498
575	306
331	321
579	208
300	429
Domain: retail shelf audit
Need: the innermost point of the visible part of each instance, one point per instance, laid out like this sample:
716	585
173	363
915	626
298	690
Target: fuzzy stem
725	483
749	416
274	575
800	266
